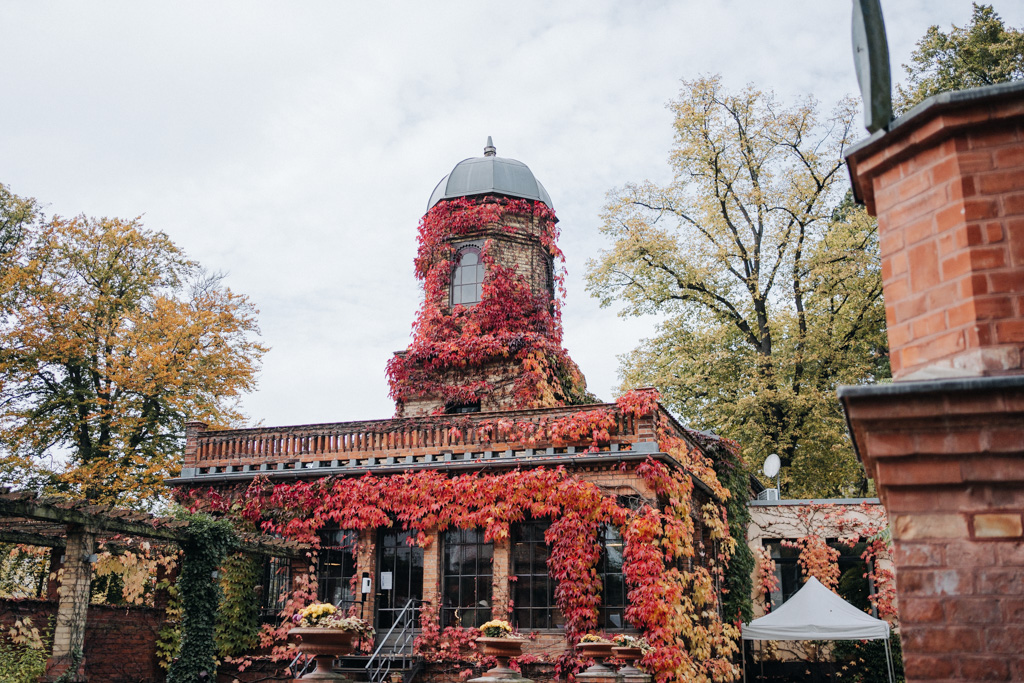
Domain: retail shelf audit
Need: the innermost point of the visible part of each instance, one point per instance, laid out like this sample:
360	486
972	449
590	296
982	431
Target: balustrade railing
401	437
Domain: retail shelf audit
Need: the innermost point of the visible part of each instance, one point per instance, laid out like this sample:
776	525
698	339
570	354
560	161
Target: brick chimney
945	441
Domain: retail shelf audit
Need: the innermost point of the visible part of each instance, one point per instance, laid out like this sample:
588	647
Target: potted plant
630	649
325	633
597	648
498	640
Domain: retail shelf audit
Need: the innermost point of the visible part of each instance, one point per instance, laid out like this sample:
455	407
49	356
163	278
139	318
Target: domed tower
488	335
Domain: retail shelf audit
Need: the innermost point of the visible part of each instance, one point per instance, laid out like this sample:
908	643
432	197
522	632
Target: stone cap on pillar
946	182
950	432
931	121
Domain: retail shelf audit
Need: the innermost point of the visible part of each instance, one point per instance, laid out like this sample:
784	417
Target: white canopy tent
816	613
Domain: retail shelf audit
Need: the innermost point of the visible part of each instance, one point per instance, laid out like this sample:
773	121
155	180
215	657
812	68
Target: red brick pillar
73	608
945	441
192	431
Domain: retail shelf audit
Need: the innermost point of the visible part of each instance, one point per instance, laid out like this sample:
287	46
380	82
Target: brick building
486	396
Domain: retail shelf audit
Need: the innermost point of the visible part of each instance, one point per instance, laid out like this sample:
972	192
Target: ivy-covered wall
504	352
120	645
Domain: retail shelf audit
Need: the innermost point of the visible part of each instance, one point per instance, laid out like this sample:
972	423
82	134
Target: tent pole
888	662
743	658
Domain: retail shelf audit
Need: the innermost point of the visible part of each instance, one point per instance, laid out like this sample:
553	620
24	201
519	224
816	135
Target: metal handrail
379	665
300	669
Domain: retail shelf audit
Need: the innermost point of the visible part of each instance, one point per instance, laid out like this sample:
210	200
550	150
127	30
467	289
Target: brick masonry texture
948	462
120	646
947	456
949	197
514	244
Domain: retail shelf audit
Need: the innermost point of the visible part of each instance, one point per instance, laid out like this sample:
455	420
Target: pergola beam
27	538
45	512
104	519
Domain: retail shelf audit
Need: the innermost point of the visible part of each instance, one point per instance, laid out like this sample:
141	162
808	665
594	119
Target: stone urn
629	655
503	649
598	652
324	644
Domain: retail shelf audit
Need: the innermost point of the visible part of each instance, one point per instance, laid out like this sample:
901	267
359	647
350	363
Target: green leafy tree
983	52
767	276
110	340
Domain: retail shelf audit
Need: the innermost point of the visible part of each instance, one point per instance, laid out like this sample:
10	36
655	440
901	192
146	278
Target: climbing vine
238	618
508	347
677	545
806	528
737	604
208	543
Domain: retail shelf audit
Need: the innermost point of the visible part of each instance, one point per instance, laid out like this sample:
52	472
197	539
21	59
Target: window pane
467	275
467	580
534	589
336	566
614	596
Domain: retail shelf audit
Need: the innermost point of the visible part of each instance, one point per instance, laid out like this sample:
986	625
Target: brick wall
515	243
949	196
120	642
947	455
948	459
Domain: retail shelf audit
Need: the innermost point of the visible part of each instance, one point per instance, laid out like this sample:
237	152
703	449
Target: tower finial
489	150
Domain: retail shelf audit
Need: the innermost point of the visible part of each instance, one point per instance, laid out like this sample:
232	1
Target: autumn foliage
505	350
110	339
808	528
671	574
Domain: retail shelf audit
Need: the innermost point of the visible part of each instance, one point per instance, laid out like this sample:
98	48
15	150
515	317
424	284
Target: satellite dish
771	465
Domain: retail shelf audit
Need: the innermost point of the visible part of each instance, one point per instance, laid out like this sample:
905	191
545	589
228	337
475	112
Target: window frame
454	611
455	277
539	617
787	566
609	532
342	554
277	584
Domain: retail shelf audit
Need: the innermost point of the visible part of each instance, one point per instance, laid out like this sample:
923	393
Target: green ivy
863	661
168	639
737	603
238	620
25	662
209	542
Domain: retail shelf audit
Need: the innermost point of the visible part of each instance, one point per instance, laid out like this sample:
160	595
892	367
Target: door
399	575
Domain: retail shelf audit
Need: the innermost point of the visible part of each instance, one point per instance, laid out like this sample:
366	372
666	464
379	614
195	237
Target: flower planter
503	649
598	652
324	644
629	655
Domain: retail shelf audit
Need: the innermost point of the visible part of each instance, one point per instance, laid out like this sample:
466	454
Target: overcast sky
294	145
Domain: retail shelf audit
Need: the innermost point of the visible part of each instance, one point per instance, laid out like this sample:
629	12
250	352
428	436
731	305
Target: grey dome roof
490	174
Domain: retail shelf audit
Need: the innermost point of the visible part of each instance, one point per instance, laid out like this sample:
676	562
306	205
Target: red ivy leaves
454	347
672	599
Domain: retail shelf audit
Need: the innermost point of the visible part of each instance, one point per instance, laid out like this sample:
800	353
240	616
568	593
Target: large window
276	583
533	591
854	586
613	591
468	276
467	578
337	566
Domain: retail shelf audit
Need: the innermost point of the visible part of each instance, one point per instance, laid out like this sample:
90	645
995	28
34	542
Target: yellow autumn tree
110	340
766	277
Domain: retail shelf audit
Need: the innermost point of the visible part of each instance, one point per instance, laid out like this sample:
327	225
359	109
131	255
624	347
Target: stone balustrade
402	440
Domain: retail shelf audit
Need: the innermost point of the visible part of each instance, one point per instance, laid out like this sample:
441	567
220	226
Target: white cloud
294	145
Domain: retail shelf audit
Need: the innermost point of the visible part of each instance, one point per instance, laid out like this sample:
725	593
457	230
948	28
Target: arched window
468	276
